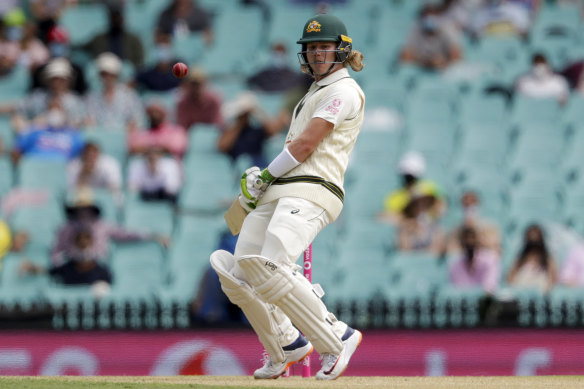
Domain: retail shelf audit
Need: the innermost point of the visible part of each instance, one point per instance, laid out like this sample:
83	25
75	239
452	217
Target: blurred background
460	246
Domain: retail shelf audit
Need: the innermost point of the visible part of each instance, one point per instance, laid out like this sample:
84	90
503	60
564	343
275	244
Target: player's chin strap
325	73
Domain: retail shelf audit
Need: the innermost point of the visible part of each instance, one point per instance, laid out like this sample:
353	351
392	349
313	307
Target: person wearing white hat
36	108
247	129
411	168
114	105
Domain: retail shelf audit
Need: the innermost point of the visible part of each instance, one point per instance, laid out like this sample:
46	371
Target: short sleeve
339	104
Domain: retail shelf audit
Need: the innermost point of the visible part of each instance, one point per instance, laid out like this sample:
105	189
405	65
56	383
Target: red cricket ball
179	70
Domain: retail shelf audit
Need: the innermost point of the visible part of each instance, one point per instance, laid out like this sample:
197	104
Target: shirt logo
334	107
314	26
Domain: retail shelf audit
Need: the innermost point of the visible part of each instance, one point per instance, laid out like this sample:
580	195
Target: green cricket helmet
325	28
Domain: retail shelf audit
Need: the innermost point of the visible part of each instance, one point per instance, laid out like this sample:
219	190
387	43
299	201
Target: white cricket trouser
280	230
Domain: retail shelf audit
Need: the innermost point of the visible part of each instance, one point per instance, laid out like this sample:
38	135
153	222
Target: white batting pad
296	297
273	328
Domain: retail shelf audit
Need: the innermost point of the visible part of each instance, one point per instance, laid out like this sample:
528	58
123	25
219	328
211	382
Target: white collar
341	73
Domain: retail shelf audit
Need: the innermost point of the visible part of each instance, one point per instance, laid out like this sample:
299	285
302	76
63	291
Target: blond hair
355	61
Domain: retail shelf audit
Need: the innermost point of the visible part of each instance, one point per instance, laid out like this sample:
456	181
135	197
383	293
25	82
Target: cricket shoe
295	352
333	365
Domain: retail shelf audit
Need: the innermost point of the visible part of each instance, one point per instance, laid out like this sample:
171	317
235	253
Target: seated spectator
412	167
247	129
475	266
488	231
33	52
534	266
11	34
169	137
541	82
83	213
183	17
572	273
115	104
197	103
155	176
429	44
117	39
277	76
57	77
55	140
46	14
500	18
417	228
59	47
8	50
5	240
94	170
159	77
80	267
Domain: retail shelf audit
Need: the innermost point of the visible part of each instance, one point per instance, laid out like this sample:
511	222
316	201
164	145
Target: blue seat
41	223
16	290
203	138
111	141
530	111
14	85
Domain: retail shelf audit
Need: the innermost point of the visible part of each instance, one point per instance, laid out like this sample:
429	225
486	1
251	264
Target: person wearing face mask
500	18
124	44
542	83
83	212
115	105
59	47
430	45
476	266
411	168
155	176
488	231
80	268
170	137
534	267
277	75
159	77
33	110
183	17
54	140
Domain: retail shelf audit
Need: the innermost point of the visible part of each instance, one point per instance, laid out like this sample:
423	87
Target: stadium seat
203	138
149	216
112	141
530	111
7	176
16	290
83	21
14	85
38	173
40	222
138	271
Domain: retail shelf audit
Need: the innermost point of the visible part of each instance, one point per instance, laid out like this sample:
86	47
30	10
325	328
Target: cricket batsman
289	202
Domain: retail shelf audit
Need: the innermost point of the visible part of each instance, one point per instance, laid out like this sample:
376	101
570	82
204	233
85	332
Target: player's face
320	55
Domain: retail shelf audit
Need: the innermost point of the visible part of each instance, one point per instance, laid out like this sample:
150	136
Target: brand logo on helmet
314	26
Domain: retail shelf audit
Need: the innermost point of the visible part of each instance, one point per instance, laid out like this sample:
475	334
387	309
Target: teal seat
17	290
149	216
83	21
479	109
574	110
565	303
189	48
7	176
530	111
111	141
41	223
38	173
14	85
108	205
203	138
138	271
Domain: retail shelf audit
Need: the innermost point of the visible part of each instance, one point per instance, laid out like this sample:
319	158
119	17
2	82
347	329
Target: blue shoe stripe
299	342
348	333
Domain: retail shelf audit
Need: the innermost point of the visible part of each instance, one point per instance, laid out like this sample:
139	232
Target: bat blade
234	217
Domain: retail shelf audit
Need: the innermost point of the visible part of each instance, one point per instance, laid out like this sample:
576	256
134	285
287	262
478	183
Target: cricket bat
234	217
